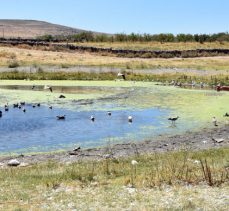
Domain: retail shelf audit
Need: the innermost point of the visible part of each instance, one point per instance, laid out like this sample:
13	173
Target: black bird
33	86
60	117
34	106
0	114
109	113
50	107
173	119
226	115
24	110
38	104
19	107
15	105
62	96
6	108
22	103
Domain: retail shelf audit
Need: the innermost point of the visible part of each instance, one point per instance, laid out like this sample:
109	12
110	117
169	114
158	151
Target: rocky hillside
32	29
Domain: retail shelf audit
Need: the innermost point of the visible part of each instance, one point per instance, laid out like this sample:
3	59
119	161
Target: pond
38	130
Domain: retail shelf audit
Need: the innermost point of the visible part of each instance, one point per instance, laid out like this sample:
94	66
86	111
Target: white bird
130	119
48	87
122	75
92	118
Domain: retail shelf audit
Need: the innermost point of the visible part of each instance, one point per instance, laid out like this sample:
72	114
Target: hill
33	28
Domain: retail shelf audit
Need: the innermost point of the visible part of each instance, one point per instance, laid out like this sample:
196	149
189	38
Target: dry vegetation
177	180
157	45
42	57
183	180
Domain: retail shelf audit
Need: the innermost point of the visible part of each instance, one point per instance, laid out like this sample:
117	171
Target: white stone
13	162
134	162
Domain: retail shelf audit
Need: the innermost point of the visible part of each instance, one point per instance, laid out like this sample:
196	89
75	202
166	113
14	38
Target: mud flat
204	139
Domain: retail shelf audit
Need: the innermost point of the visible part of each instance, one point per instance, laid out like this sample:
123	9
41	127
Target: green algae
190	104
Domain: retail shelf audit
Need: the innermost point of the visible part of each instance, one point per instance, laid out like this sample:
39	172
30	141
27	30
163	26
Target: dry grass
157	45
39	57
172	180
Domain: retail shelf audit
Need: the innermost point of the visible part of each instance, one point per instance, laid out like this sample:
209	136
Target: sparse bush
64	66
13	64
147	55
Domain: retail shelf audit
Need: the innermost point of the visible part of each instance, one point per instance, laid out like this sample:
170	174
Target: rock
218	140
24	164
134	162
2	165
13	162
73	153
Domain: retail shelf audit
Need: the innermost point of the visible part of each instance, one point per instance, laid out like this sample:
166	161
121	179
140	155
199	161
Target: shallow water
39	130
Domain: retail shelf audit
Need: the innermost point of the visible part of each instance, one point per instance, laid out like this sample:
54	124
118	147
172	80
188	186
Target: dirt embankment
52	46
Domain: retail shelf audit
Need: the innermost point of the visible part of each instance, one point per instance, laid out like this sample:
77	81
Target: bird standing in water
130	119
173	119
92	118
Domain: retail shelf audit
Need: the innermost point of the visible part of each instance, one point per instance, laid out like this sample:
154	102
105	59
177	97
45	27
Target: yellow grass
157	45
39	57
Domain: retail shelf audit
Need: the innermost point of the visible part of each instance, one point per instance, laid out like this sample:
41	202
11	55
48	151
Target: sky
125	16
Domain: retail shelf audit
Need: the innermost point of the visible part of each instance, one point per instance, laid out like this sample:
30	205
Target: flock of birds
21	105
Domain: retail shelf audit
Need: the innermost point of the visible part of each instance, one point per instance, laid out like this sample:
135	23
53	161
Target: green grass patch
131	76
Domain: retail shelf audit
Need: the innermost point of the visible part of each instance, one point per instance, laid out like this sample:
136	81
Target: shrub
13	64
147	55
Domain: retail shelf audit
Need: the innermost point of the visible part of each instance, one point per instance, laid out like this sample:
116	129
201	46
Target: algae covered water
38	130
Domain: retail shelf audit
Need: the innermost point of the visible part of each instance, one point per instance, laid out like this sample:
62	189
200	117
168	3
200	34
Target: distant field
157	45
40	57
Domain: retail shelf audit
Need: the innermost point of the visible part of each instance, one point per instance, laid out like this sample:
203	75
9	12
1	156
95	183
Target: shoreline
193	141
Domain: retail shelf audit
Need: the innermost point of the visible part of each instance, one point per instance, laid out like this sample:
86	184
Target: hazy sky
115	16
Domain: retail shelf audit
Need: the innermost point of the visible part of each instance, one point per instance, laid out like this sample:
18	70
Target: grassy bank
131	76
56	186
